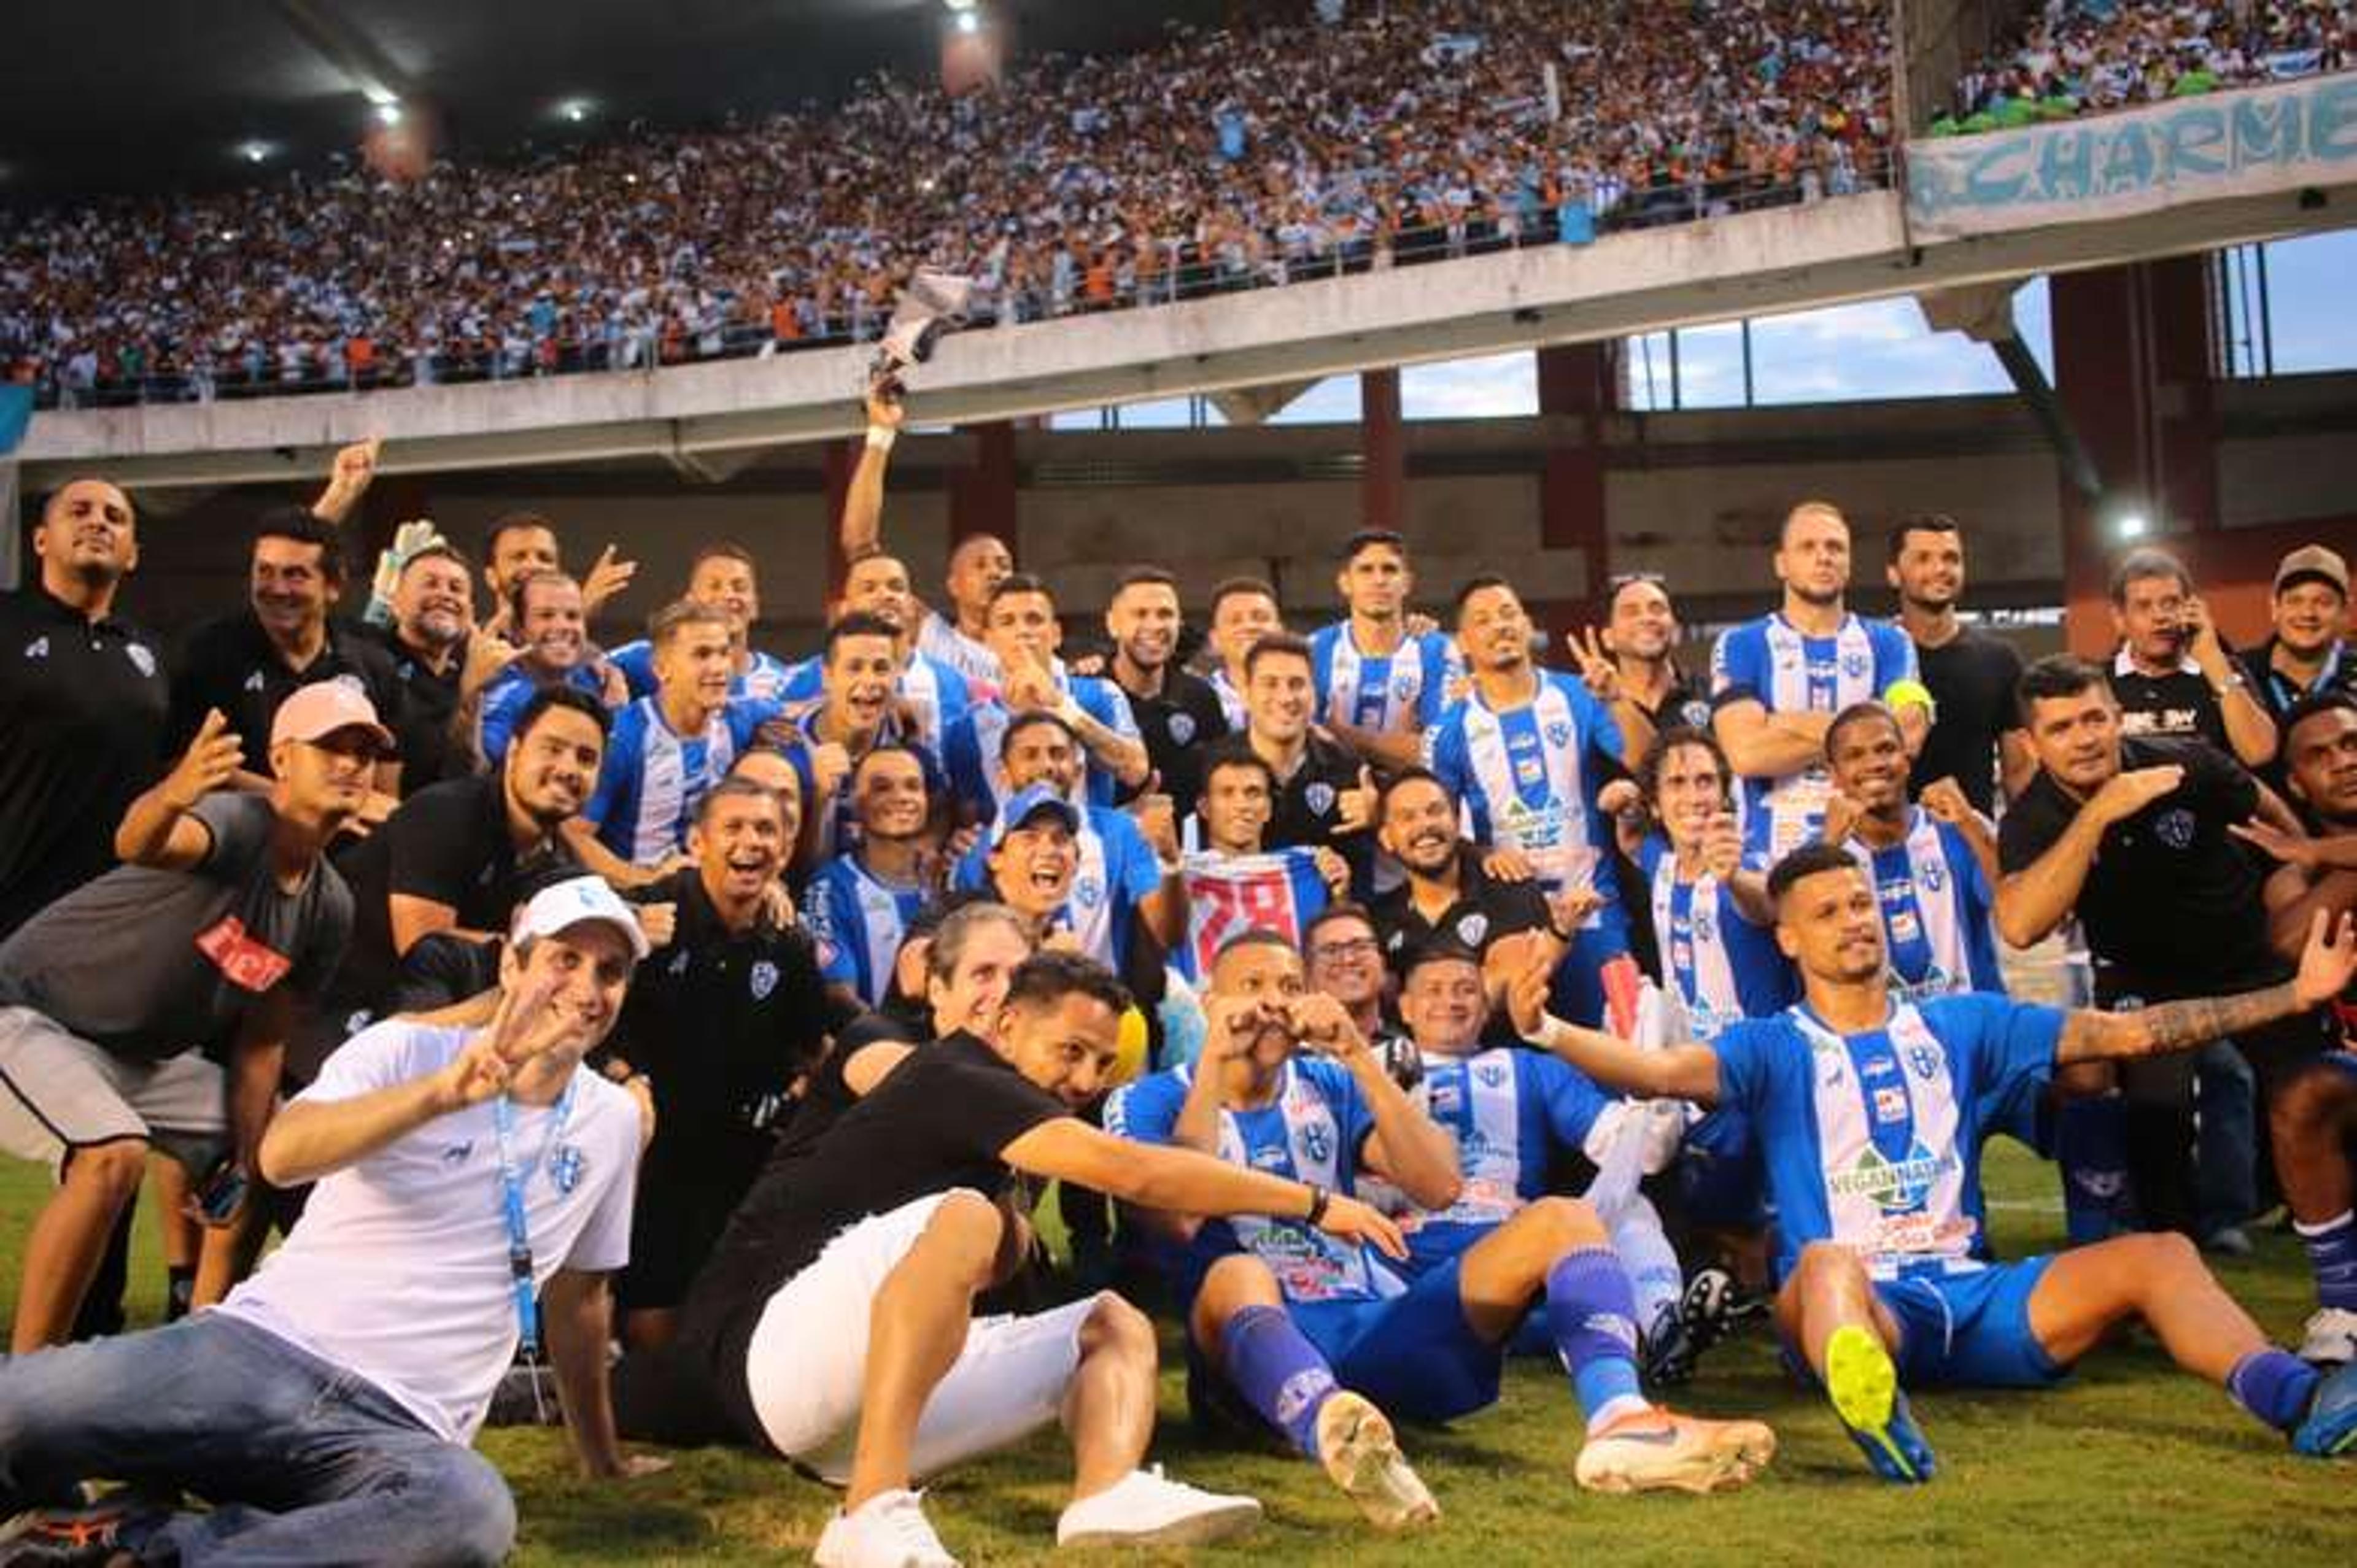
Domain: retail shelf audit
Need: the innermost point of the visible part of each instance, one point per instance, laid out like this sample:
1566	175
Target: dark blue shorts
1971	1330
1414	1355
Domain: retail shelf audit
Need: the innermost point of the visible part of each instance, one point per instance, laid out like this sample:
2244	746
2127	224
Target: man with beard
1976	737
1527	749
1178	713
1243	610
1234	883
667	749
1630	665
1934	863
1449	895
1777	683
722	576
1871	1112
436	657
1325	794
83	699
1380	685
2171	677
726	1022
2305	653
224	919
1024	636
454	863
523	544
2315	1115
860	902
243	666
552	626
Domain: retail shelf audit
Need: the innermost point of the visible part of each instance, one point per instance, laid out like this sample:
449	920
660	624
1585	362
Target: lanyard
511	1182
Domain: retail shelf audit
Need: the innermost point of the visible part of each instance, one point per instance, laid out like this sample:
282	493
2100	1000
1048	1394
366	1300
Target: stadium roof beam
351	50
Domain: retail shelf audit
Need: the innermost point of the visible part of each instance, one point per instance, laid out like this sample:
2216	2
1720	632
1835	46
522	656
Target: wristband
1320	1199
881	438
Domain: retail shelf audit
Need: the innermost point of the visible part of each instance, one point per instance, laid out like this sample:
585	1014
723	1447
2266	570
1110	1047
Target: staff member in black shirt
835	1319
82	699
727	1019
2171	677
248	663
1449	894
453	862
2305	653
1178	713
2132	836
1975	735
1325	794
432	641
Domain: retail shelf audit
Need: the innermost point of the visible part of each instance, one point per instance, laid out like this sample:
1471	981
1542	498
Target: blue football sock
2273	1385
1592	1314
1279	1371
2091	1145
2332	1253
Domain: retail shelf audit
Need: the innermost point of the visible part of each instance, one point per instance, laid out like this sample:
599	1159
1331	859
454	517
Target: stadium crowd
1383	1002
2081	56
1218	160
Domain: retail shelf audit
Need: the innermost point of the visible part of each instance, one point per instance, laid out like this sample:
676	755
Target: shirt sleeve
1441	666
635	661
1135	870
618	776
239	827
2026	831
2225	784
1444	748
1321	669
1735	665
1351	1114
1569	1097
1605	740
998	1107
1894	655
503	703
1147	1110
2013	1044
1745	1051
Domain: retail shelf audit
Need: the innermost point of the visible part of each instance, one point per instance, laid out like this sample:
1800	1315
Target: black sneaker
1715	1307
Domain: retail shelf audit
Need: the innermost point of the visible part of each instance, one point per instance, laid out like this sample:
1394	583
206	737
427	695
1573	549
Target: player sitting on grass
1871	1115
1320	1338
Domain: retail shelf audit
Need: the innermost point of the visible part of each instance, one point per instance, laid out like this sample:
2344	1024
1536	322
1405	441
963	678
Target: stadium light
575	110
388	113
969	22
255	152
2134	525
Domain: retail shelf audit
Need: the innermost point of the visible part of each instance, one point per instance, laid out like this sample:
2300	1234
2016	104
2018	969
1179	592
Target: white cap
576	901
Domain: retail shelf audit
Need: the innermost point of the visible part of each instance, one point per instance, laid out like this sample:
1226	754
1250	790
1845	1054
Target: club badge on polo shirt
566	1166
764	978
143	659
1472	929
1182	729
1320	796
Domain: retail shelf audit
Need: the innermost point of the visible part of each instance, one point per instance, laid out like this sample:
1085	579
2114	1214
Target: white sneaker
2331	1336
887	1531
1356	1445
1147	1509
1657	1450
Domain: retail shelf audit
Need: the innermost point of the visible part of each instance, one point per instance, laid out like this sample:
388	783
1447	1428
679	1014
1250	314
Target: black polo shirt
2179	705
1309	806
1177	724
1971	677
233	665
1684	700
1485	910
81	709
723	1023
2172	900
429	700
2277	691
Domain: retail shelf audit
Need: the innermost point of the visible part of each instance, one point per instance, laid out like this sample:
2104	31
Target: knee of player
2315	1103
1114	1327
1564	1225
118	1166
474	1513
1825	1260
967	1225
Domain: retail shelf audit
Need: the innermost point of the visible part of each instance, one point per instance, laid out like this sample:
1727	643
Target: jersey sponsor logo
38	649
1320	796
1299	1391
1890	1104
1895	1186
2174	828
245	962
1182	729
764	979
456	1153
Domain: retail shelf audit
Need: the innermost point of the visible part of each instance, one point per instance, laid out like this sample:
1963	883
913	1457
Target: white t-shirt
398	1268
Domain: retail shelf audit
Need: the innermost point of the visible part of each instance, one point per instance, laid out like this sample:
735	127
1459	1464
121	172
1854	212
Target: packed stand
1382	1003
2087	56
1215	161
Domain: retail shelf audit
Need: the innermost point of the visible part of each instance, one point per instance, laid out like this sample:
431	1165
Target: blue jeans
304	1462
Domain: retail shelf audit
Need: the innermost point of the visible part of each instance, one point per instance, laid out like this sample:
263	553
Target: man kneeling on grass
1871	1111
836	1318
469	1182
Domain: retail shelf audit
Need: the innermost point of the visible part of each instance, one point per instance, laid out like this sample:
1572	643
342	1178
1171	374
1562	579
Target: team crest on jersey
1318	1142
1403	687
1182	729
1472	929
2175	828
142	659
1321	797
764	979
1854	666
1706	925
1935	877
565	1167
1087	892
1558	734
1492	1074
1924	1058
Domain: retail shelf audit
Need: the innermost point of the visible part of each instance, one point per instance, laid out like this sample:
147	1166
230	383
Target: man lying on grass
1871	1115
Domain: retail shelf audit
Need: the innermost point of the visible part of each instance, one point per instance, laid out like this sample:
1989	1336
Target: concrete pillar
981	497
1576	394
1383	483
2133	367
